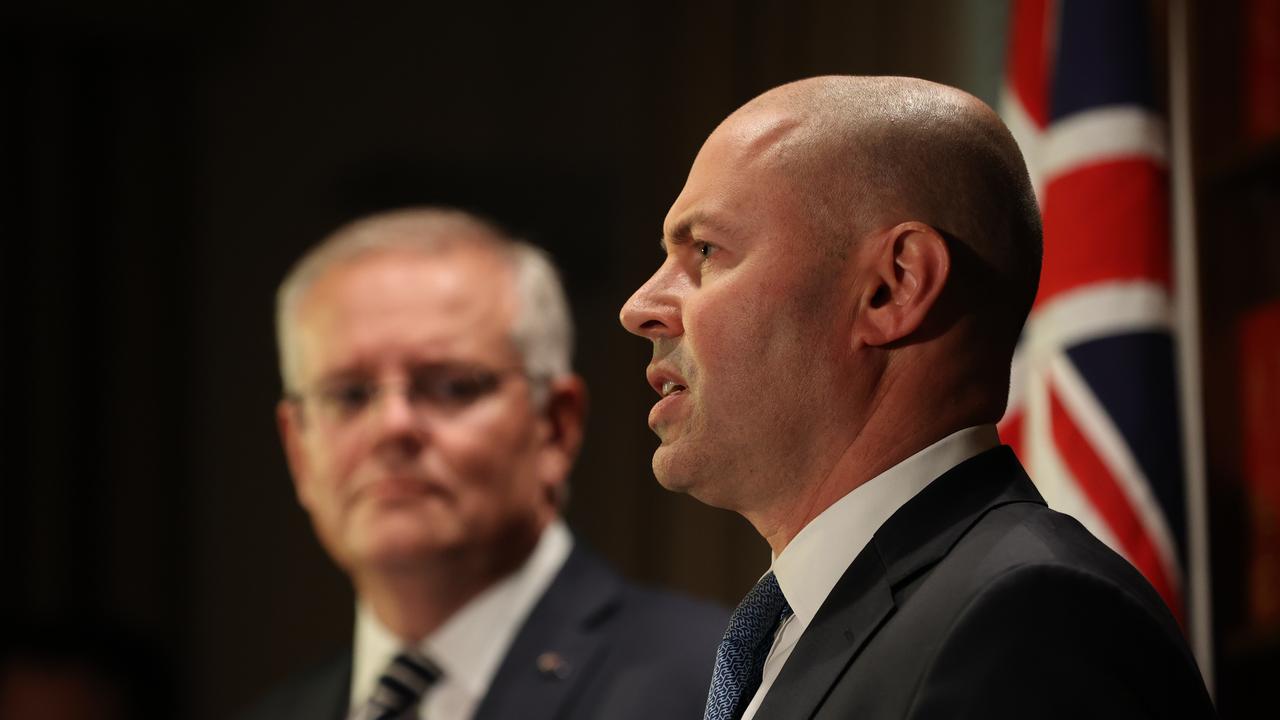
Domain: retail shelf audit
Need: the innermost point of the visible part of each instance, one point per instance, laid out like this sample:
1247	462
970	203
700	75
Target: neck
868	454
413	600
893	429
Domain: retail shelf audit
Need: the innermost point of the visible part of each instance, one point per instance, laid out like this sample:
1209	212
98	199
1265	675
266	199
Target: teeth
669	387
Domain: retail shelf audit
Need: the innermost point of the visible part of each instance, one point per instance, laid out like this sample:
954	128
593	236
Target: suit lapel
333	693
559	644
832	640
321	693
910	542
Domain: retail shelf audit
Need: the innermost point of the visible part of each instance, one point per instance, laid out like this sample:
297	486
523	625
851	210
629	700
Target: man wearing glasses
430	419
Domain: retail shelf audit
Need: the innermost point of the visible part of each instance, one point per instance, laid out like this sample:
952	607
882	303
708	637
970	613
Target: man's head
848	266
430	411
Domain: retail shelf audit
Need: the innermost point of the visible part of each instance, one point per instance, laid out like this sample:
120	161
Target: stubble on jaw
757	456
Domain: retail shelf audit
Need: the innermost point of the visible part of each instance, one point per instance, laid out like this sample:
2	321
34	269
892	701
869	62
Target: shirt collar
469	646
815	559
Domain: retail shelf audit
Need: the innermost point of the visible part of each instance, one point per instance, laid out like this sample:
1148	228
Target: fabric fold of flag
1093	409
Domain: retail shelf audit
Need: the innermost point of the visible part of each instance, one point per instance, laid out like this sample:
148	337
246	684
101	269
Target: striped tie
401	686
740	658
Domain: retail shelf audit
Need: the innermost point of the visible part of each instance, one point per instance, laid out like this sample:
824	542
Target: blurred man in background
430	419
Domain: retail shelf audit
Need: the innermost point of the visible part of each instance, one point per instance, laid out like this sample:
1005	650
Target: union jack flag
1093	410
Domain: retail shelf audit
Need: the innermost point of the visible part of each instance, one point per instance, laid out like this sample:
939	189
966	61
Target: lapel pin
552	664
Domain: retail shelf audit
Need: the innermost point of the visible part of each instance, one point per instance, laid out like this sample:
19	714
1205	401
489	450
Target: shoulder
653	615
1024	609
667	619
1063	638
1031	610
1028	563
318	693
1029	544
662	650
644	621
656	650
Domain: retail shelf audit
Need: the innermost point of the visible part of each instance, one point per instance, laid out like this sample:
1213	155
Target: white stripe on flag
1053	479
1095	311
1093	136
1084	314
1093	421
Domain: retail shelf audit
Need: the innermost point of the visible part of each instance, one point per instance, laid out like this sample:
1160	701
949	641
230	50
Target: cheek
730	334
333	465
491	472
759	350
339	458
485	453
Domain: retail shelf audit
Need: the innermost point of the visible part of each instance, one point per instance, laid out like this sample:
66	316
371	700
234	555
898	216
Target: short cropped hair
542	329
880	150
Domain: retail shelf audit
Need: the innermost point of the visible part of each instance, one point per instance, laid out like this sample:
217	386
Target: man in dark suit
430	420
848	269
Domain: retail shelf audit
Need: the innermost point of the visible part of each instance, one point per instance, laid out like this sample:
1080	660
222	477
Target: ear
564	415
289	422
908	266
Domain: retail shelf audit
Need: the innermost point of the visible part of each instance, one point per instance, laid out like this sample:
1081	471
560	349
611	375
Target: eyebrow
682	232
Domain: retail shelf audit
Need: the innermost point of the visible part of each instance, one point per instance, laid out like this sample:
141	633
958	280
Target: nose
653	311
398	425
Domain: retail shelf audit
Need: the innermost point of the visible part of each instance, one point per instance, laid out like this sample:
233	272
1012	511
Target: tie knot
763	607
768	587
402	684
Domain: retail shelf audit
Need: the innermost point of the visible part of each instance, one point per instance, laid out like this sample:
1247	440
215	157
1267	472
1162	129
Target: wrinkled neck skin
919	399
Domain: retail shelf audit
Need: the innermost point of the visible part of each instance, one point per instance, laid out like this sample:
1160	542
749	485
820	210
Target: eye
704	249
454	387
347	398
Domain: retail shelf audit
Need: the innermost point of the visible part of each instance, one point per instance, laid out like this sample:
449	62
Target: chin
399	543
672	474
400	556
663	472
704	480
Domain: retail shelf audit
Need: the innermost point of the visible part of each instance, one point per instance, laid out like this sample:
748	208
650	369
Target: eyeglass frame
324	393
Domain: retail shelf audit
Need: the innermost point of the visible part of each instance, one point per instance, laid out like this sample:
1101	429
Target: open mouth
671	388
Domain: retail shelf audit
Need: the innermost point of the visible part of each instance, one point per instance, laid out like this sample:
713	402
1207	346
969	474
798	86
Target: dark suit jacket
622	652
976	601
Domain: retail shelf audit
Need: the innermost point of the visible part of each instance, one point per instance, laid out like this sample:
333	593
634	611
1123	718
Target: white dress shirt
817	557
470	645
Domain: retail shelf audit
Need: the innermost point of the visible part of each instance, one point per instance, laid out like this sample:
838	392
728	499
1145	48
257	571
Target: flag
1093	409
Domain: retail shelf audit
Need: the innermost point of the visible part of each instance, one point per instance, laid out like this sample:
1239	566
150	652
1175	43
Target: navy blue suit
626	653
975	600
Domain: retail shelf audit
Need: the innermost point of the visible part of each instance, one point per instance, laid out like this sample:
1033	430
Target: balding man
847	271
430	420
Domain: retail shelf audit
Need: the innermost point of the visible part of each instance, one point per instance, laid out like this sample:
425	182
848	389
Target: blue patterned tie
746	643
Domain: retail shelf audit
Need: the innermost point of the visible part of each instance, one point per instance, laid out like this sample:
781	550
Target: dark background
163	166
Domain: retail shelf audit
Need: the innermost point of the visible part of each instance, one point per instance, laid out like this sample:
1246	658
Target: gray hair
542	330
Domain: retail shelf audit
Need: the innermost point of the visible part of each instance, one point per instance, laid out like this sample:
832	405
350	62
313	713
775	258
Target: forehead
743	168
393	305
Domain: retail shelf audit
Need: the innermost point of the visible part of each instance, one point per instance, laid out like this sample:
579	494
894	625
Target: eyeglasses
433	389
